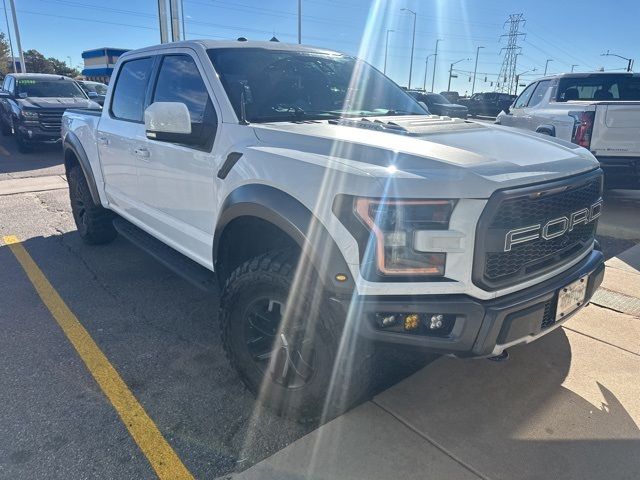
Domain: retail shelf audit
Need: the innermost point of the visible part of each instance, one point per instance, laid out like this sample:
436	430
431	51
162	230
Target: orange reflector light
411	321
341	277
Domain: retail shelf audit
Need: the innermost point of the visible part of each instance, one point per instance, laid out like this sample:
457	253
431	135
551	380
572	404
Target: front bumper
35	133
480	328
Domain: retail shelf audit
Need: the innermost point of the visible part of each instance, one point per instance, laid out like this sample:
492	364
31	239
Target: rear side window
539	93
130	89
600	87
524	97
180	81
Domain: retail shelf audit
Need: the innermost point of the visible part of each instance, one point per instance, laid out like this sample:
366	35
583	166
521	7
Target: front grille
509	210
51	120
549	317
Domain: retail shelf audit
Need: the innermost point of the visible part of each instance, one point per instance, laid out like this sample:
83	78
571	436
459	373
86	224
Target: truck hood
460	158
56	103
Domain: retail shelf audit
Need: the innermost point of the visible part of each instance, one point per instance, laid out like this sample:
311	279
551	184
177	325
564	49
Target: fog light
386	320
411	321
435	322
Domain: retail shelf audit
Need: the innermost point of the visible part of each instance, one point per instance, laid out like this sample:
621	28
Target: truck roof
40	76
585	75
237	44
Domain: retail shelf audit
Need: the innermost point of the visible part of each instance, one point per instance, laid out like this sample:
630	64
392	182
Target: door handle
142	152
103	140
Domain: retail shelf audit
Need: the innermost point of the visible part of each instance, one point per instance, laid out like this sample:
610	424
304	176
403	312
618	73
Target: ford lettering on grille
553	228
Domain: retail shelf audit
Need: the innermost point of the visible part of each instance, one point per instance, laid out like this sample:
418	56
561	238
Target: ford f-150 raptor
336	213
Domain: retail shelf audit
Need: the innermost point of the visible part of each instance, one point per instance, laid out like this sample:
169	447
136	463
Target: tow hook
503	357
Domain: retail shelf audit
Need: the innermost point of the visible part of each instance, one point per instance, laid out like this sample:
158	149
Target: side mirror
92	94
168	122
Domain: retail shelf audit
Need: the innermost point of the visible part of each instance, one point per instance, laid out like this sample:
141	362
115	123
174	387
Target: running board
191	271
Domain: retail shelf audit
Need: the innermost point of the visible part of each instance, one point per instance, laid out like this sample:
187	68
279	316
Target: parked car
487	104
438	105
598	111
96	91
32	104
453	97
335	212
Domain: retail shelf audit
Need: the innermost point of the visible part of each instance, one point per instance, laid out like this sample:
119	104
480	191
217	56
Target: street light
573	67
413	42
546	65
426	68
386	50
451	72
435	64
518	78
629	60
475	70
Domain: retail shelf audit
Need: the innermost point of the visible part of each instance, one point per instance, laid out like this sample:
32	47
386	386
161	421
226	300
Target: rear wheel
283	338
95	223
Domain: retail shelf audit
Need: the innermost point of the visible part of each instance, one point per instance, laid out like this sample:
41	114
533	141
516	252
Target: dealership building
99	63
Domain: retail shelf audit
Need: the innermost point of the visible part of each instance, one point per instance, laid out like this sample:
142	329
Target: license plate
571	297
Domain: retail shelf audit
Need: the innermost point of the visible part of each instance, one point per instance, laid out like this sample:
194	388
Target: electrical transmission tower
507	77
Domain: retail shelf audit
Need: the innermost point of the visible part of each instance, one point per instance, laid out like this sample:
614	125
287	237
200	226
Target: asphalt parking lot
159	334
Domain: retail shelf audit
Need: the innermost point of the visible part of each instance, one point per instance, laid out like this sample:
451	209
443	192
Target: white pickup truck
598	111
335	212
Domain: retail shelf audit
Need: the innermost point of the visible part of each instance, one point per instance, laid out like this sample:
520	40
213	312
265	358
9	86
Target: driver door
519	115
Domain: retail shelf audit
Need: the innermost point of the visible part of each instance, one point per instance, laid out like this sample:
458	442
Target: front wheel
5	128
23	145
290	347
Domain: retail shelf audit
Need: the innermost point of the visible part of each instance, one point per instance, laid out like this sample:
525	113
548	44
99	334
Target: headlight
27	115
386	241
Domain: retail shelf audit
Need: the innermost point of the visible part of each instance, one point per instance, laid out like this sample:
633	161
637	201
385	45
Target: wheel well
247	237
70	160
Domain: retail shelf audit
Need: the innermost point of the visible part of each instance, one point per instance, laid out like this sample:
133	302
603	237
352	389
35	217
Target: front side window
270	85
27	87
130	89
539	93
524	97
180	81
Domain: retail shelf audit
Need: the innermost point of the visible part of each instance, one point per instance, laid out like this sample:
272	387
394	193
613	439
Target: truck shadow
162	336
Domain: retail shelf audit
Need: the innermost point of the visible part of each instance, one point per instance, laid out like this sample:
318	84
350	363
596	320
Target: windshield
600	87
48	88
437	98
99	88
273	85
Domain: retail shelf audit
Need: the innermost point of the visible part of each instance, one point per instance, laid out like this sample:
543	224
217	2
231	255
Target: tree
61	68
37	63
5	55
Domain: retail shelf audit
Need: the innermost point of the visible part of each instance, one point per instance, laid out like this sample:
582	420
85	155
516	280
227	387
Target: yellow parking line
161	456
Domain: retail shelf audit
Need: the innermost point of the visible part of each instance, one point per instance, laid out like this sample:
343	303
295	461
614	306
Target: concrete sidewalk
12	186
564	407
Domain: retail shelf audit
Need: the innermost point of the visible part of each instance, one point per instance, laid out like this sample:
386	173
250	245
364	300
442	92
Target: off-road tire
337	383
95	223
22	144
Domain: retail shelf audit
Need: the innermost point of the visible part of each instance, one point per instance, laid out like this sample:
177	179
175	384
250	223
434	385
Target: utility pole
413	42
475	70
162	18
386	51
435	64
23	67
546	65
508	69
174	6
518	78
426	69
451	72
629	60
299	22
6	17
573	67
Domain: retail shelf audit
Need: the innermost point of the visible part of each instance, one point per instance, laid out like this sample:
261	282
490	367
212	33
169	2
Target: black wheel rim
285	354
79	208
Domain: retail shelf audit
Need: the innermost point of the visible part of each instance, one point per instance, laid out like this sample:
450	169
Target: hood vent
408	125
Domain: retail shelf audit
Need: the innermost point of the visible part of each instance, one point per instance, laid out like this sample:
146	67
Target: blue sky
567	31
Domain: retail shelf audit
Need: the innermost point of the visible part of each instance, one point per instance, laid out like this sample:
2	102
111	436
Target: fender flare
547	130
72	143
296	220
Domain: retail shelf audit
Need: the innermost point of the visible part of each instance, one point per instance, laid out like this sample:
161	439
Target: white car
598	111
334	211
